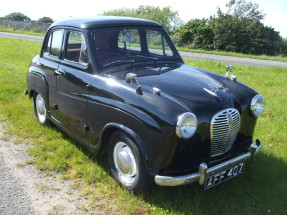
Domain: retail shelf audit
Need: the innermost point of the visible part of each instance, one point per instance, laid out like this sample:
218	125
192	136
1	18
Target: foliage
165	16
242	9
17	16
46	19
196	33
245	35
238	30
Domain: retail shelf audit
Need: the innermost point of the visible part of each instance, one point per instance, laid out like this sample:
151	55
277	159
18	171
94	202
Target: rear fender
37	82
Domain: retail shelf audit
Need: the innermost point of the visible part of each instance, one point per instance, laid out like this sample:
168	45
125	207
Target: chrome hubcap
41	109
125	163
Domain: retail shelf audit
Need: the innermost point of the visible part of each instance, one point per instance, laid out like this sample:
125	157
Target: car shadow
100	159
261	189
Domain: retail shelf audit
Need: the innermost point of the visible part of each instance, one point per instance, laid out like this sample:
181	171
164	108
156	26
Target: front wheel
40	109
126	164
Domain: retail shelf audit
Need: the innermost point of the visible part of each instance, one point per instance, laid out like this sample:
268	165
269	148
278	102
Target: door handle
59	72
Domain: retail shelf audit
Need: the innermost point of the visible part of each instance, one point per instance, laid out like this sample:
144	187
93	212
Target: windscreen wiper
119	62
144	57
140	58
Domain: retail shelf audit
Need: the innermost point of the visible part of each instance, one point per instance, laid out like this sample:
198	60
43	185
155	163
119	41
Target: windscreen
123	45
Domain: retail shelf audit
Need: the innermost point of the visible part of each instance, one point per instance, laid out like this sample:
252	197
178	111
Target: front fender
150	116
108	128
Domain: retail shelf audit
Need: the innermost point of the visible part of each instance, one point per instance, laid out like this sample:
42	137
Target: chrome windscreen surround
223	131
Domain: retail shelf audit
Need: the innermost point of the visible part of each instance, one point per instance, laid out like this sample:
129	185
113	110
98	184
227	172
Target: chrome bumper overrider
205	172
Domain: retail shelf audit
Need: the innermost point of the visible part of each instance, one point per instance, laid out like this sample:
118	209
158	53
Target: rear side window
76	50
54	45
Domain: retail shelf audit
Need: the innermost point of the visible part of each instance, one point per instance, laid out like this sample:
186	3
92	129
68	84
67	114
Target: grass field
234	54
261	190
262	57
21	31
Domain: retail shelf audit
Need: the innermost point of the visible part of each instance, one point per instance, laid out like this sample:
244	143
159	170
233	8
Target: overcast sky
276	10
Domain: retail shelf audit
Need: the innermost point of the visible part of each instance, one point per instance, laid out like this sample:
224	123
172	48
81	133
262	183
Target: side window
157	44
76	50
53	47
48	46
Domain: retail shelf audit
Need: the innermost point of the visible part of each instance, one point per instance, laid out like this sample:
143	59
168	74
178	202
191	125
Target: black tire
133	175
40	109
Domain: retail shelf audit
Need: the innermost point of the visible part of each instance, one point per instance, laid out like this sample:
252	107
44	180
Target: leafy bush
232	34
237	30
17	16
165	16
46	19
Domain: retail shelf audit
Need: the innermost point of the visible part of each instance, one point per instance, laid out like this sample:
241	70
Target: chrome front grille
223	130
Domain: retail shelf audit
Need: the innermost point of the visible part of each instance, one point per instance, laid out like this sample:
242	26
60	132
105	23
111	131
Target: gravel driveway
25	191
13	199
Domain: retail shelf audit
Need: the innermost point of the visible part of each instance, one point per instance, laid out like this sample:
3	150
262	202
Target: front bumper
205	172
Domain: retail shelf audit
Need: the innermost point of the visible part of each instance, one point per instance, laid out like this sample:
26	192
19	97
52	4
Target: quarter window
77	48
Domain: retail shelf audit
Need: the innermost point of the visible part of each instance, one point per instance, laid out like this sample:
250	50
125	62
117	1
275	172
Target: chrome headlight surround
186	125
257	105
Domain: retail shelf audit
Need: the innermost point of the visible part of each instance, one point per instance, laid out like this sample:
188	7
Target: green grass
262	189
35	32
234	54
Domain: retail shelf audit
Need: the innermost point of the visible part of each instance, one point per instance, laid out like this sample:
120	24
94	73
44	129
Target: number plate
220	177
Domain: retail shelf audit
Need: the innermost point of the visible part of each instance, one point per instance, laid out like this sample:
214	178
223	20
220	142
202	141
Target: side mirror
229	68
130	77
129	37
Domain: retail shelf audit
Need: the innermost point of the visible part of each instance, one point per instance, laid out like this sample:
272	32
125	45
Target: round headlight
186	125
257	105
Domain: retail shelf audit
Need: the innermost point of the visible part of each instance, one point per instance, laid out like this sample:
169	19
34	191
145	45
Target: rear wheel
126	164
40	109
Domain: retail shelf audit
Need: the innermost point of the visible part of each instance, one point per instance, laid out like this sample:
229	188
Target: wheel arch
40	86
112	127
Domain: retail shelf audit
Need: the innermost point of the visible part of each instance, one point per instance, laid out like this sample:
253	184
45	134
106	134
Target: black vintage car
118	85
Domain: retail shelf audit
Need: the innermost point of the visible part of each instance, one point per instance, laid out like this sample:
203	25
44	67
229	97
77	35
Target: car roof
103	21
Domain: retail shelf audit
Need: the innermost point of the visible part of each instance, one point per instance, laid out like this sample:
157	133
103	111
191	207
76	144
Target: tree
237	30
17	17
165	16
196	33
46	19
232	34
242	9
